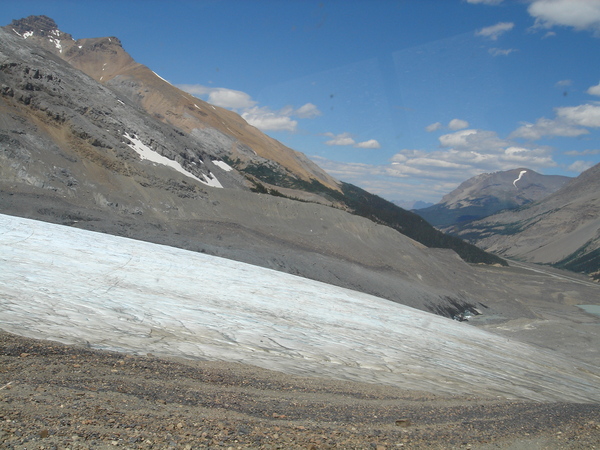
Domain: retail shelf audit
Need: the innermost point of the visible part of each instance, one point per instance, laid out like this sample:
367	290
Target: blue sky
406	99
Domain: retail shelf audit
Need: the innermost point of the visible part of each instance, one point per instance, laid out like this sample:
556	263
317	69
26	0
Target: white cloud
458	124
587	115
385	181
594	90
547	127
468	152
345	139
579	14
583	152
228	98
267	120
454	124
263	118
501	51
495	31
223	97
307	111
580	166
371	143
563	83
484	149
459	165
433	127
472	140
339	139
485	2
570	121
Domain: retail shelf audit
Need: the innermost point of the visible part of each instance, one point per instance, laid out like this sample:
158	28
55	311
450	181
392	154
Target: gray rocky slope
70	153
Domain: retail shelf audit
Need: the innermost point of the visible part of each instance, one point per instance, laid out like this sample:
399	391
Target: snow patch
27	34
523	172
211	180
160	77
223	165
57	44
146	152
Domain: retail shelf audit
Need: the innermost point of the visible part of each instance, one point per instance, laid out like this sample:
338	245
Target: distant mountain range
562	229
489	193
522	214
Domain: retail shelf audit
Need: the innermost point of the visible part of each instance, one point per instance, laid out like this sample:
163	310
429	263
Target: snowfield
110	292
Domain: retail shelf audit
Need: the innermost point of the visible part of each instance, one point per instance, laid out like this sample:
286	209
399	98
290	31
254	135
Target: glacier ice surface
109	292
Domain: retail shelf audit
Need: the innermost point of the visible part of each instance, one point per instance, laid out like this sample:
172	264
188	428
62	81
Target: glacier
108	292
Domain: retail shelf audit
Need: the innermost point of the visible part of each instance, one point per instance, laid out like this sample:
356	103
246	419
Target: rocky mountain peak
42	29
39	26
515	186
488	193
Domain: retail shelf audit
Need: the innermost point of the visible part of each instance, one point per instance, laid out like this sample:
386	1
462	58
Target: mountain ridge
289	171
105	60
561	229
488	193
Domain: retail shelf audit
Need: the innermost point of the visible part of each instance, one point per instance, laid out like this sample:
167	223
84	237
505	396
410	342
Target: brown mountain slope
105	60
192	115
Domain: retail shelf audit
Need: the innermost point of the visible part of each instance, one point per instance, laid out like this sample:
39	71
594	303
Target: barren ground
57	396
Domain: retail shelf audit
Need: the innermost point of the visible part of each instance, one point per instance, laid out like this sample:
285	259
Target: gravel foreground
54	396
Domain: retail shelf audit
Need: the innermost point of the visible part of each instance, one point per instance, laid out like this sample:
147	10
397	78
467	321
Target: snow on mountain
147	153
561	229
110	292
488	193
44	30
